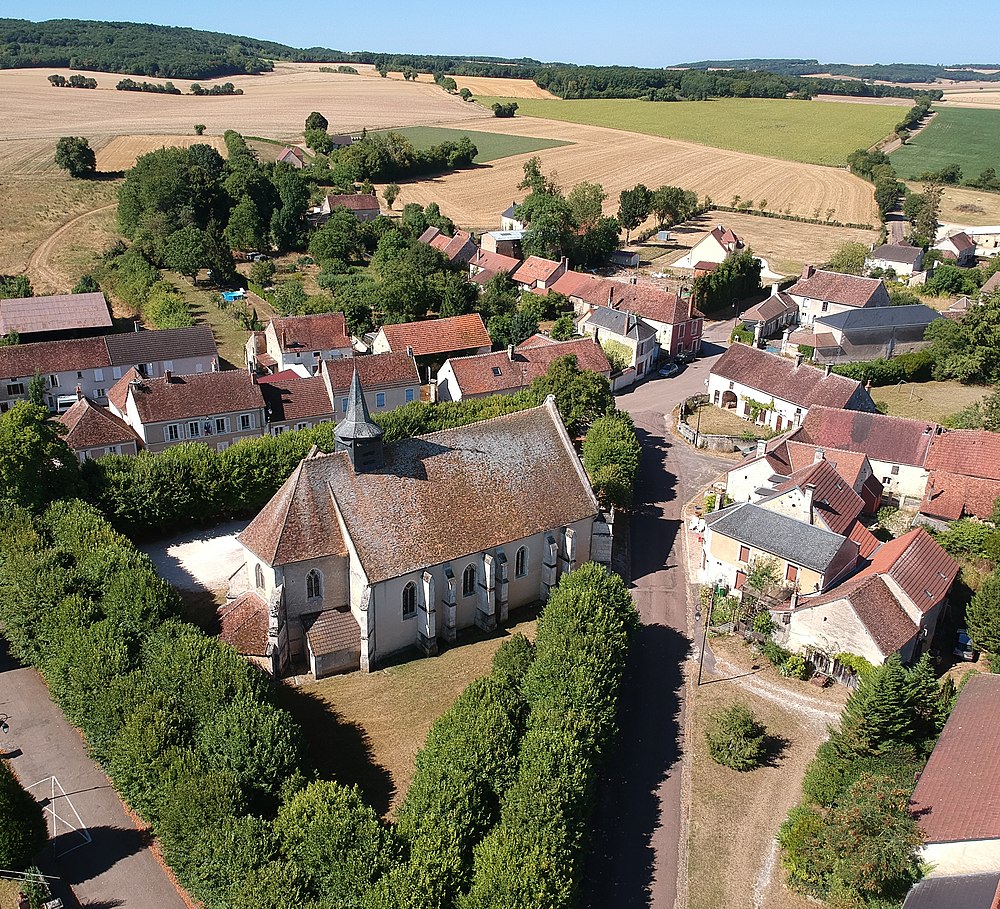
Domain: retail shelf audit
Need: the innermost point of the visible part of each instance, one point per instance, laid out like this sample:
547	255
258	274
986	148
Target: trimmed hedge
909	367
23	831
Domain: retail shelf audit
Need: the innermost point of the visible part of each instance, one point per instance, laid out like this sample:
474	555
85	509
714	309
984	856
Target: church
374	548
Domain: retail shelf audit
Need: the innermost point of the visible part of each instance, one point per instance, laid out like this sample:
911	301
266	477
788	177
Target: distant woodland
887	72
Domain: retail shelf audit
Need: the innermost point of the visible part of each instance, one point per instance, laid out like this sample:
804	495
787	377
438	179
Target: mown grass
812	132
927	400
967	137
492	146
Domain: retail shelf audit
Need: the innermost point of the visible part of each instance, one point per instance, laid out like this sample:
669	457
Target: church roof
357	422
438	497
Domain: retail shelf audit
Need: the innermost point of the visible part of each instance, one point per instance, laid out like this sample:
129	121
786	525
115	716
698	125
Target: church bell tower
357	434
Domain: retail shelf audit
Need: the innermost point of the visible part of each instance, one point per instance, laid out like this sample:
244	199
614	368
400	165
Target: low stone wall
704	439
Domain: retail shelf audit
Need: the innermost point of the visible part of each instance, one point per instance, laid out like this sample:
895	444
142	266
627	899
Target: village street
636	856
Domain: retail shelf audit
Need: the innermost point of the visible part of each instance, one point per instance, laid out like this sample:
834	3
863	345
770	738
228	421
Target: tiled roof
896	440
183	397
961	241
971	452
535	268
324	331
439	497
960	891
779	377
621	323
589	288
298	523
352	202
957	798
537	340
243	624
297	399
891	252
992	283
726	238
920	566
822	341
866	540
292	151
435	336
799	543
494	262
849	464
333	631
773	307
90	426
834	501
118	393
497	372
847	290
62	312
459	248
21	360
880	317
376	371
950	496
653	303
134	347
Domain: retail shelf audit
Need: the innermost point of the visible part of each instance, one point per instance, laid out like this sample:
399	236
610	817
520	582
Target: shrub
909	367
763	623
736	738
611	454
23	832
775	653
794	667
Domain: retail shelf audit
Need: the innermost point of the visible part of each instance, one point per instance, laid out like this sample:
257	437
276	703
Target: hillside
886	72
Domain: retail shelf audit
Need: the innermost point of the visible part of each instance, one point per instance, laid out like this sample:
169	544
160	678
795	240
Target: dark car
964	648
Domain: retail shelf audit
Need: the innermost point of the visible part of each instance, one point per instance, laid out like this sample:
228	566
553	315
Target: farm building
902	259
363	206
504	242
55	317
959	248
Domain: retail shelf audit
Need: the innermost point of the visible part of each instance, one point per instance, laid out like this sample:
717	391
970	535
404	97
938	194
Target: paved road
95	847
637	847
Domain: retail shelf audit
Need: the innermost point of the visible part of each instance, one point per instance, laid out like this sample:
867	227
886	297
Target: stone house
903	259
504	242
536	273
432	341
92	432
375	549
486	265
293	156
676	321
819	293
625	329
389	380
295	402
299	342
458	249
715	247
959	248
769	317
364	207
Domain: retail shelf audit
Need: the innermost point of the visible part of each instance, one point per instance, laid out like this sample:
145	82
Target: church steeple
357	434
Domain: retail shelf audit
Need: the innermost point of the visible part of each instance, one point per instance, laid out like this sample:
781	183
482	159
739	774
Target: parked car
671	370
964	648
257	257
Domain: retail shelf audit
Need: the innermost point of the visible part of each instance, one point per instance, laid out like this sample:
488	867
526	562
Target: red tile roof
957	798
21	360
589	288
376	371
779	377
920	566
834	501
653	304
970	452
184	397
333	631
324	331
436	336
89	426
494	373
849	464
537	340
992	283
895	440
847	290
244	624
494	262
459	248
950	496
297	399
726	238
62	312
866	540
535	268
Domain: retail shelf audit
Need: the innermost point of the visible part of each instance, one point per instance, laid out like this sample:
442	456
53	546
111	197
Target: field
969	138
120	153
367	729
814	133
969	207
492	146
510	88
927	400
274	104
618	160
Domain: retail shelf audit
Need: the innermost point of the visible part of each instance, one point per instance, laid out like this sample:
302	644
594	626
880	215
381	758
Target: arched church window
409	600
469	581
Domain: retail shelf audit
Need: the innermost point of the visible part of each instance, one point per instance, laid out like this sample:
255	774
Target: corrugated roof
957	798
89	426
436	336
61	312
135	347
892	439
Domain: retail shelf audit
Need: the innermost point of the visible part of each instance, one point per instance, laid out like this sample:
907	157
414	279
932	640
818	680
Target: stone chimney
808	271
510	352
798	360
828	369
79	393
818	455
807	494
761	448
774	289
167	375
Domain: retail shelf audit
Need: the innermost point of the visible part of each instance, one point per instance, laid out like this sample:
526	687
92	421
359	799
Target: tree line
883	72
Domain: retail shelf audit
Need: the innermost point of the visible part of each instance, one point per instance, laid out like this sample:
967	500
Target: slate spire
357	434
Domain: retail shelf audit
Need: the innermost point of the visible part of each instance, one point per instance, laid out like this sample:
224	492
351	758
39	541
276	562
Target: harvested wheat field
968	207
619	160
274	104
503	88
120	153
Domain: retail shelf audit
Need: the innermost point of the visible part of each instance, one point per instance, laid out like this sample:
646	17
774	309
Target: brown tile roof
324	331
435	336
298	523
296	399
779	377
962	241
726	238
184	397
992	283
244	624
291	151
896	440
834	501
376	371
957	798
333	631
537	340
847	290
90	426
589	288
535	268
21	360
970	452
439	497
866	540
459	249
497	372
134	347
950	496
774	306
352	202
62	312
849	464
653	303
118	394
494	262
920	566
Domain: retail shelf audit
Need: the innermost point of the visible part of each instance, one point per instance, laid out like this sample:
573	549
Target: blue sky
641	33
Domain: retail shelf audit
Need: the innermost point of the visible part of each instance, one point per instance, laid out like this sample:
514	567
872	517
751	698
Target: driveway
94	846
637	846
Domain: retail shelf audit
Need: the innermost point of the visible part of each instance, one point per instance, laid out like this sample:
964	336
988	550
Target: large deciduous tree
36	465
73	153
633	208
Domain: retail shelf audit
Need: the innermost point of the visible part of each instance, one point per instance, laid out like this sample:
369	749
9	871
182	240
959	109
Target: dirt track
43	275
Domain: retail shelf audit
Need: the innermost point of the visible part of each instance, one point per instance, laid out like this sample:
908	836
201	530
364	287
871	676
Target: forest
888	72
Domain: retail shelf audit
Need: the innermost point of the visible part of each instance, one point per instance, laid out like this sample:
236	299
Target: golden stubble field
619	160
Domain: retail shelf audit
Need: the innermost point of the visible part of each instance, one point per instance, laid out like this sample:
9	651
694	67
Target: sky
641	33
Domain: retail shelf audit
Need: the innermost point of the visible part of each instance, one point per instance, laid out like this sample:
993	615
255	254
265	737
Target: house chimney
798	360
807	494
137	325
79	393
510	352
167	375
409	351
761	447
828	369
808	271
774	289
818	455
633	280
215	364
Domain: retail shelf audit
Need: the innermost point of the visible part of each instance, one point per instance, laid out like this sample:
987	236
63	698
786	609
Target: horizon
830	36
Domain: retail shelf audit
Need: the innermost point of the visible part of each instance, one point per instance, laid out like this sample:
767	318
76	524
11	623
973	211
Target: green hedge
909	367
23	832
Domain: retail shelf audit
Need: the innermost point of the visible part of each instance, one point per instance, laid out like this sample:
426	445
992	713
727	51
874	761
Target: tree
564	328
879	714
586	203
391	194
36	465
317	121
245	230
261	272
24	831
581	396
534	180
15	287
504	110
633	208
611	454
86	285
849	259
73	153
36	389
736	738
466	94
925	223
199	129
982	615
968	350
187	251
671	204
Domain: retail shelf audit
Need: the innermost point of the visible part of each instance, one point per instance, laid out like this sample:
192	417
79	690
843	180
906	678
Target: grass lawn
967	137
813	132
367	728
928	400
8	894
717	421
492	146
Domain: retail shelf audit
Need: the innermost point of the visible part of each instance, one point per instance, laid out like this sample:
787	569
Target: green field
816	132
492	146
964	136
